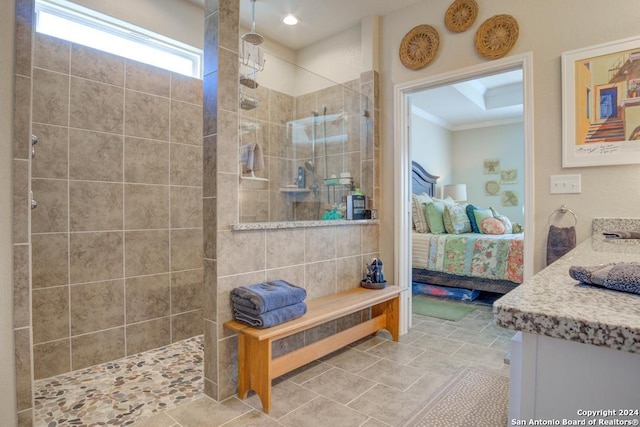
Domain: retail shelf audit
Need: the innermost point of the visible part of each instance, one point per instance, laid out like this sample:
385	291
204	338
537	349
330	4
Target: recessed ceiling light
290	20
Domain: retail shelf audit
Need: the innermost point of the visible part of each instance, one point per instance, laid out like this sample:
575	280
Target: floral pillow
508	226
492	226
481	214
417	212
456	220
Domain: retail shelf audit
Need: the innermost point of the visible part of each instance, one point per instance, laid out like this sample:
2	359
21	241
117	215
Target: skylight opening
76	24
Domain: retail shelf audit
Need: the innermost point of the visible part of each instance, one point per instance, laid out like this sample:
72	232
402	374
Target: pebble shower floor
123	391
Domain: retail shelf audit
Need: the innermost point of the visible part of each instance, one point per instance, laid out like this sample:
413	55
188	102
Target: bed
476	261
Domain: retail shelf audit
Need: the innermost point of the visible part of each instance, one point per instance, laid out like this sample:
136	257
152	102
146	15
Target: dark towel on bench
624	276
272	317
266	296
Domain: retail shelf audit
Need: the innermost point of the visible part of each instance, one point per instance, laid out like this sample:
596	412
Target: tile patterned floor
374	382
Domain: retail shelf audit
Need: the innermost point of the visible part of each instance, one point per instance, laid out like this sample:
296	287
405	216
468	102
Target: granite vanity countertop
551	303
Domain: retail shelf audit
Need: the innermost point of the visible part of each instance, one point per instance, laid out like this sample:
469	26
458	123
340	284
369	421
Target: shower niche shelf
294	190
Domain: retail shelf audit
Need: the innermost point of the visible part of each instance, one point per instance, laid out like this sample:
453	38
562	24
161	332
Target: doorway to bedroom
470	132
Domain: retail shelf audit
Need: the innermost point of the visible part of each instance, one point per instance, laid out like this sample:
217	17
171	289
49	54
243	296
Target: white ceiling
318	19
486	101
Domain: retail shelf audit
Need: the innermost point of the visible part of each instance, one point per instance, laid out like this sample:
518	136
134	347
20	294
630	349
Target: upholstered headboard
422	181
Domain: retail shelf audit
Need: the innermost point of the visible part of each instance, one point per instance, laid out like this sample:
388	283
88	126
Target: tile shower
117	251
117	233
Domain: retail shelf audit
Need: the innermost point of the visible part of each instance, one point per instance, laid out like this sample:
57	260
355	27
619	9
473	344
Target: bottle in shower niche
302	178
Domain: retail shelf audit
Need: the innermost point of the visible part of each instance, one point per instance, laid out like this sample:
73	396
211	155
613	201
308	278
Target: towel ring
564	209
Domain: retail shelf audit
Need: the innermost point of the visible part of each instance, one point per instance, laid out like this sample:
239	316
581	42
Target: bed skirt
454	281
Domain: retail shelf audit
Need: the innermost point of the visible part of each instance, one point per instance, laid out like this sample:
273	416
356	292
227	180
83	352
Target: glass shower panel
302	145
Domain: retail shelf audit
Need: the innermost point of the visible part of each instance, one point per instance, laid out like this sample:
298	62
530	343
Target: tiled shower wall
21	211
117	234
323	259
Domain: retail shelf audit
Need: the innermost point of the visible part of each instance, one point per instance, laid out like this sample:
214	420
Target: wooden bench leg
392	309
243	356
254	369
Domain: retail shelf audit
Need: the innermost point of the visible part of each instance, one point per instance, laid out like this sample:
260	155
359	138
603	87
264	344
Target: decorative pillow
456	220
472	218
508	227
417	212
447	201
491	226
481	214
435	211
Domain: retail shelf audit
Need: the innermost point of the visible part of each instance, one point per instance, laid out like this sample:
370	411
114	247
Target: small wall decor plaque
491	166
509	198
509	176
491	188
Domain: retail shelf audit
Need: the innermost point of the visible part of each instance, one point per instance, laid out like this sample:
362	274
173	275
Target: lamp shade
458	192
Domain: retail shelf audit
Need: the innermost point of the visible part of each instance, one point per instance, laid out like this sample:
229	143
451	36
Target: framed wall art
601	104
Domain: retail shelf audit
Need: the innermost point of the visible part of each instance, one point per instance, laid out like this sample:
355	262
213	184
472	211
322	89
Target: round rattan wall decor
496	36
461	15
419	46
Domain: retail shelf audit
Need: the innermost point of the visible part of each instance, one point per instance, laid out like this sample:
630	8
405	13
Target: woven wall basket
419	46
461	15
496	36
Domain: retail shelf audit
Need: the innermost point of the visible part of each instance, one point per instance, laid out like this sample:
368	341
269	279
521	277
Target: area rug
473	398
446	310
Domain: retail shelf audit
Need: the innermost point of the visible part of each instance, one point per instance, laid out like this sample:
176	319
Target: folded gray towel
271	318
266	296
622	234
624	276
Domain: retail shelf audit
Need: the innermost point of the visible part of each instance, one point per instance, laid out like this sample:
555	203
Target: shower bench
256	367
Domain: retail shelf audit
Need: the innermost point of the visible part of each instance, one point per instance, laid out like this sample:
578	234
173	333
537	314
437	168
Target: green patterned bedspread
470	254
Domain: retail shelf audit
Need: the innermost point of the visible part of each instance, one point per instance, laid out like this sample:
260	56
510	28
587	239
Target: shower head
253	38
310	166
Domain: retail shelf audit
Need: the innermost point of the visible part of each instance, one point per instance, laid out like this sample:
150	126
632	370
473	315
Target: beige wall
7	365
547	28
117	234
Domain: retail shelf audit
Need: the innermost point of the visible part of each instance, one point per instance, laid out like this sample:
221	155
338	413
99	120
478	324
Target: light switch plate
565	184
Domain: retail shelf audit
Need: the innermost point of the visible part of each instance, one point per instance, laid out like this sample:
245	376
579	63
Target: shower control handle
34	141
34	203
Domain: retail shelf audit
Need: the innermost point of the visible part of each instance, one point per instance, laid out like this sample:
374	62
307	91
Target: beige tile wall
21	212
117	235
